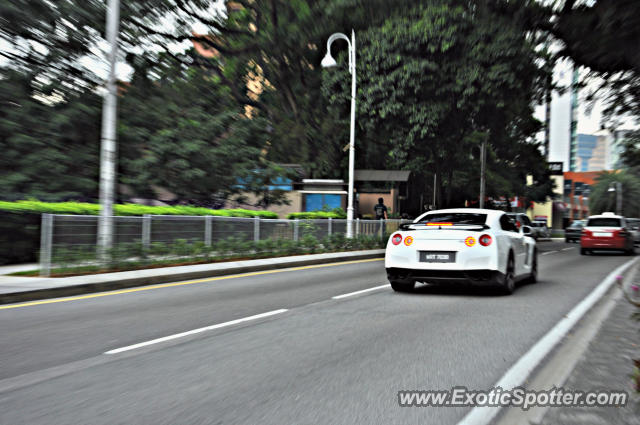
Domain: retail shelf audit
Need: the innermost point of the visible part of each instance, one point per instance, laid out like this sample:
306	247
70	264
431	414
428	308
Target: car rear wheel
402	286
508	284
585	251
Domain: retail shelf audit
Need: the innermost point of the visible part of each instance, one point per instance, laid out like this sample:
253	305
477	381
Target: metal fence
64	235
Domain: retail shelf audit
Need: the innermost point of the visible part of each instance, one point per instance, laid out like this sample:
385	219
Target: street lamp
329	61
617	188
108	142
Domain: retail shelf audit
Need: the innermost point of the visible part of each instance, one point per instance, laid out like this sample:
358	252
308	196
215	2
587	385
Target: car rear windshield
459	219
604	222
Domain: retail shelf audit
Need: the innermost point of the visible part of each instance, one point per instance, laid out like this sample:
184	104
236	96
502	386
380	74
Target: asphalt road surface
322	361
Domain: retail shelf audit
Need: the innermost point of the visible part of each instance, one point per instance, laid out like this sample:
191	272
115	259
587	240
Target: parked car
606	231
520	219
477	246
540	230
573	232
634	228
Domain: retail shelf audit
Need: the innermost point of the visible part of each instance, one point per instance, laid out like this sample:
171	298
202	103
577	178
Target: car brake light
439	224
396	239
485	240
408	240
586	232
470	241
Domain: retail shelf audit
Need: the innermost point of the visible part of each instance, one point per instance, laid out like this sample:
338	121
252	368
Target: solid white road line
519	372
195	331
567	249
350	294
548	252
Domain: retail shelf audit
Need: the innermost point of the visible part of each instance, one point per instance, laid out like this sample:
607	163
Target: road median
32	289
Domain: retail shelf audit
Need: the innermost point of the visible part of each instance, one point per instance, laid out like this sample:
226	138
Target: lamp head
328	61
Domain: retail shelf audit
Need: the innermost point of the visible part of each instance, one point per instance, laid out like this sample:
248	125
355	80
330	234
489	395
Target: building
584	152
390	185
577	186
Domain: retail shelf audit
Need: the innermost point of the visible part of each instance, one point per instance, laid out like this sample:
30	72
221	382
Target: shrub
318	215
83	208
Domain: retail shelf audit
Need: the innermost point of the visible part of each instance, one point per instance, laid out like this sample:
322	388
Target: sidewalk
18	289
607	364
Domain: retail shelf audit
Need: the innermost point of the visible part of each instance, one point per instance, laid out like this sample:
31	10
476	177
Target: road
322	361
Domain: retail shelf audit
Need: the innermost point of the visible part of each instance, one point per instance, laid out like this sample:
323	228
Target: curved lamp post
329	61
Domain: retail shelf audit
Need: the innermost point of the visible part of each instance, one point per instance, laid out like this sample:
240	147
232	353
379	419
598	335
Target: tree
601	199
49	147
603	36
181	131
437	80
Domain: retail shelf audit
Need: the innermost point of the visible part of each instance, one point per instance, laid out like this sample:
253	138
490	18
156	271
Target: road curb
530	362
78	285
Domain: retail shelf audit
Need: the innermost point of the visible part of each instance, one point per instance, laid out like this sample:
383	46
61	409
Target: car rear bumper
475	277
604	243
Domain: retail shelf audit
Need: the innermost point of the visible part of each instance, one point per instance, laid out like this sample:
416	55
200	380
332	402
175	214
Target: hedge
81	208
316	215
20	221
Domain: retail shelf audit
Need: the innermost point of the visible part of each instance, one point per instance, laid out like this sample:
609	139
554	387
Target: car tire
402	286
584	251
508	280
630	251
567	240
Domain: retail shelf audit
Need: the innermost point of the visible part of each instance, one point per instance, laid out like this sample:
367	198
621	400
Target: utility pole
108	145
619	198
435	190
483	166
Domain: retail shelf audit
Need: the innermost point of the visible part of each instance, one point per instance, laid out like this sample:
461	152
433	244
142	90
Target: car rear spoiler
423	226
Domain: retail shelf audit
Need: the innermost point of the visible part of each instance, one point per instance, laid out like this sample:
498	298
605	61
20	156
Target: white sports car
477	246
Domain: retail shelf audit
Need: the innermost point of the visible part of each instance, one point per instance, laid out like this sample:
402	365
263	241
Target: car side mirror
526	230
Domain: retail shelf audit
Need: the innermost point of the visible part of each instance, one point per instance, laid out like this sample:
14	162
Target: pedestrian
381	214
381	210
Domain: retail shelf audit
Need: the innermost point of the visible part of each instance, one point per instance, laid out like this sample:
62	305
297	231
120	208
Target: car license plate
602	234
437	256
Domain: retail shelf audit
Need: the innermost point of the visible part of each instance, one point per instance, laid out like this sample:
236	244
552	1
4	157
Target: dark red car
606	232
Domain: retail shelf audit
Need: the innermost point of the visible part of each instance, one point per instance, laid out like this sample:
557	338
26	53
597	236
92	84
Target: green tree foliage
601	199
180	131
434	81
631	152
178	128
49	150
50	37
604	35
437	80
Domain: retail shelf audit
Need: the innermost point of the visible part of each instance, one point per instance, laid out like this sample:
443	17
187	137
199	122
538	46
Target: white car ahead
477	246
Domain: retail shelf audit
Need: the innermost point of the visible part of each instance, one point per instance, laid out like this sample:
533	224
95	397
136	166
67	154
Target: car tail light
485	240
396	239
470	241
623	233
586	232
408	240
